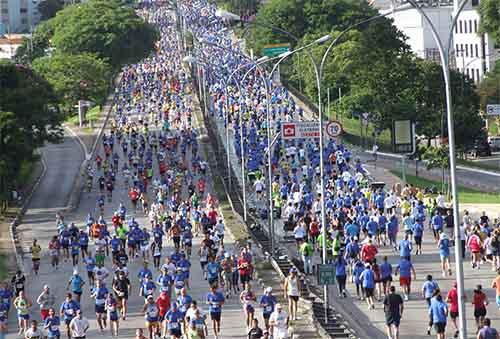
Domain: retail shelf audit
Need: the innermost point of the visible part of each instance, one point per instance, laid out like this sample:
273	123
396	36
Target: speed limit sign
334	129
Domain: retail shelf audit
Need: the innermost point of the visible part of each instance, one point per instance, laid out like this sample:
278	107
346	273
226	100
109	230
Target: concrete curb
18	251
75	195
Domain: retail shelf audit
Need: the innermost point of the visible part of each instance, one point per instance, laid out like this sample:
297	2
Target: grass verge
3	268
466	195
92	114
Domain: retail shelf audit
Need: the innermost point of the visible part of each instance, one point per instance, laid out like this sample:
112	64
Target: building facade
472	53
18	16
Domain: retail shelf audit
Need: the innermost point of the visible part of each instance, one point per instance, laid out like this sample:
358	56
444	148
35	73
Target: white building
475	53
18	16
472	53
9	43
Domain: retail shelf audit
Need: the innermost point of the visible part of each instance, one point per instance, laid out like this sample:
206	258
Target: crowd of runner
362	220
152	151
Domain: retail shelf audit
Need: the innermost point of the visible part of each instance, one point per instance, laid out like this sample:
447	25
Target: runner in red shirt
163	302
245	270
368	251
480	301
452	299
212	215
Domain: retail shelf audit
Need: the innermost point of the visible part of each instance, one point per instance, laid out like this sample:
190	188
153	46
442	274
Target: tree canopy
29	117
489	11
75	77
372	64
106	28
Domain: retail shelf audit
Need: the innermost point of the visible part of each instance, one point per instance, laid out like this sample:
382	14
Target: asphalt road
475	178
51	196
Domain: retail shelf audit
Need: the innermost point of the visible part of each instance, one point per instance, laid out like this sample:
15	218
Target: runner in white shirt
259	187
279	323
79	326
33	332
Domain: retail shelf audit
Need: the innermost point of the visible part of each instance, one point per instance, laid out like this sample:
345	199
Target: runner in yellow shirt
36	251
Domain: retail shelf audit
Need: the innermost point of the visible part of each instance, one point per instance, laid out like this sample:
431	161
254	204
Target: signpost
326	274
275	49
403	140
334	129
493	110
300	130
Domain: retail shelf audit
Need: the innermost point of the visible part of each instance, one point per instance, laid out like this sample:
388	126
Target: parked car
494	143
480	149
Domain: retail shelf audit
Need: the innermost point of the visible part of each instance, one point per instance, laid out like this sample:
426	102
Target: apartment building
18	16
472	53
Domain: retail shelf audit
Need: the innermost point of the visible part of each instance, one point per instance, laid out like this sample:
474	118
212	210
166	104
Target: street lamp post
444	54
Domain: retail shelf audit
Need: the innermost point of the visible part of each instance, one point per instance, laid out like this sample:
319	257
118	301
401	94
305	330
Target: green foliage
75	77
489	11
32	101
436	157
489	88
28	118
49	8
36	48
106	28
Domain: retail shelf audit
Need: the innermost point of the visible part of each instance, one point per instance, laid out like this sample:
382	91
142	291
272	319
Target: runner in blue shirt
68	311
215	300
385	275
90	266
174	320
405	247
267	302
144	272
439	313
367	278
51	324
341	273
405	269
213	270
429	288
418	233
444	253
76	282
148	287
437	224
100	293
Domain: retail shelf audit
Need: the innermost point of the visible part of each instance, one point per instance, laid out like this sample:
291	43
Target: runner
51	325
291	288
22	305
35	250
215	300
47	301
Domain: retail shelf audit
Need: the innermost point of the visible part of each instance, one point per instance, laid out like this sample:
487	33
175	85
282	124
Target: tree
33	102
28	118
106	28
38	45
489	11
75	77
49	8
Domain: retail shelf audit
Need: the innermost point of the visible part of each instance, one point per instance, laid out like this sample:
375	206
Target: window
460	26
466	50
477	51
475	26
472	73
23	10
456	28
456	49
467	71
475	2
477	73
462	49
471	50
470	27
24	21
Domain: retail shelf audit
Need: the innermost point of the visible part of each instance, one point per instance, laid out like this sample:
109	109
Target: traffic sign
275	49
334	129
326	274
492	110
300	130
